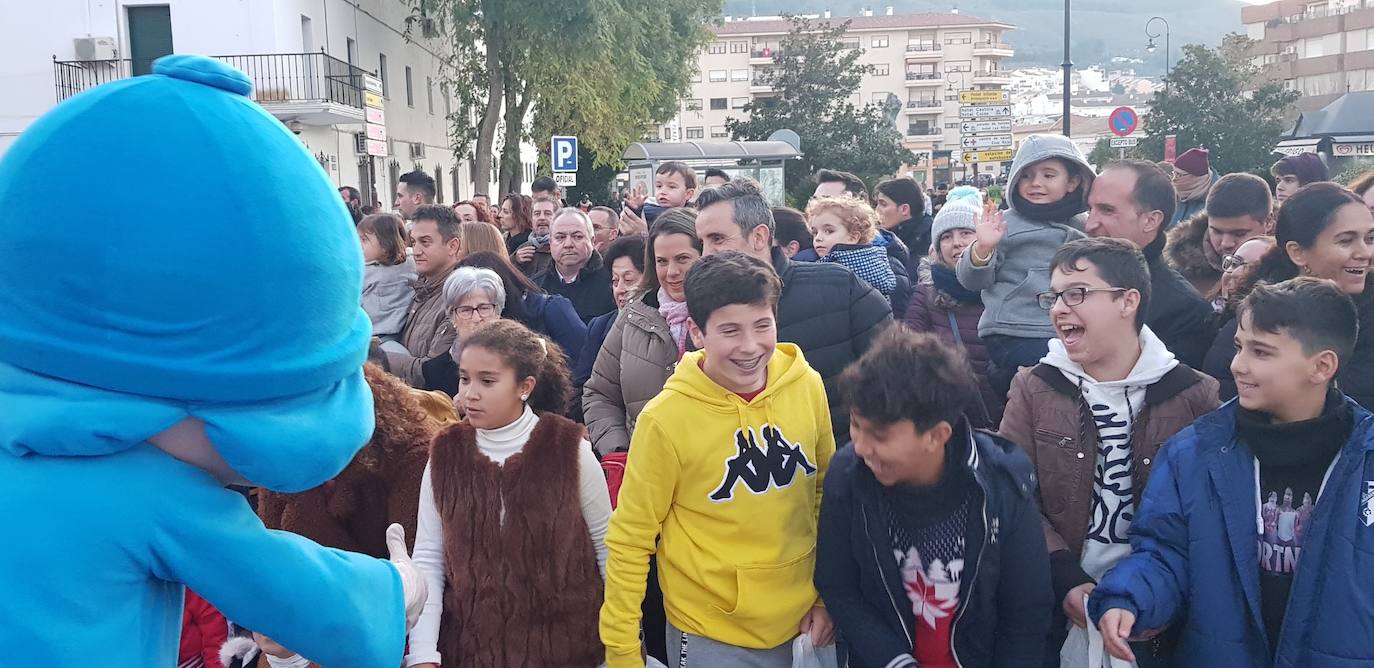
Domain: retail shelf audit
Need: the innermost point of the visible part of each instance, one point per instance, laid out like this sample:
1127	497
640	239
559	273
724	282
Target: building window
739	75
717	76
410	89
429	93
448	103
718	103
739	47
849	43
952	126
880	42
958	66
696	76
381	72
882	70
879	97
958	38
738	102
692	105
667	134
694	133
718	132
716	48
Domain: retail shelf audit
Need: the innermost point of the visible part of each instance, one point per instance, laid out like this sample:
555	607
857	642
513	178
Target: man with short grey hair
825	309
577	271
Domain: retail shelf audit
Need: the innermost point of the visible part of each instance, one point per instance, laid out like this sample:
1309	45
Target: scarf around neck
947	282
675	313
1191	187
1071	205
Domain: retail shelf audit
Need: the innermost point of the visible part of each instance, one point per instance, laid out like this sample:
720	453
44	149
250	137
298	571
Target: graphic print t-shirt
1113	504
931	560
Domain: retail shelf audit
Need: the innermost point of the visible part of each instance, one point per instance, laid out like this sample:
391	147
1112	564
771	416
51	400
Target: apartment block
920	62
1320	48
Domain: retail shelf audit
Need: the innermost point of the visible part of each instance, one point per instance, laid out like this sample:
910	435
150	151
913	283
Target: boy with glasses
1092	416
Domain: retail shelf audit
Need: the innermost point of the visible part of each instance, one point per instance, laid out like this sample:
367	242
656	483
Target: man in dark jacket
929	549
825	309
577	271
1092	416
1132	200
901	210
1256	531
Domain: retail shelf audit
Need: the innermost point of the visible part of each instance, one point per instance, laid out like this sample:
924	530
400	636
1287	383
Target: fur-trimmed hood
1187	252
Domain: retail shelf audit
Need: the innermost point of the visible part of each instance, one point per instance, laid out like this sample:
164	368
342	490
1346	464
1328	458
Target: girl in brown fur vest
513	514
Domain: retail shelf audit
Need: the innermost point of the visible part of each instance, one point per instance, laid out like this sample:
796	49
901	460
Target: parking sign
563	154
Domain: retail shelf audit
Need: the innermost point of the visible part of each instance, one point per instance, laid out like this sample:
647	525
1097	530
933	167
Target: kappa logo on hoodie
773	466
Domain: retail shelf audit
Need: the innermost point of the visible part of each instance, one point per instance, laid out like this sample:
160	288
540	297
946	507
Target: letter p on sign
563	151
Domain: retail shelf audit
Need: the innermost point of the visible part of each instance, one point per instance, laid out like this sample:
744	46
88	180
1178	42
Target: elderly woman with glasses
473	297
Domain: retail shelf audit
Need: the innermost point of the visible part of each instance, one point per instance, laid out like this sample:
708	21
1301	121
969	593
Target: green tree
599	69
1217	99
1103	152
814	78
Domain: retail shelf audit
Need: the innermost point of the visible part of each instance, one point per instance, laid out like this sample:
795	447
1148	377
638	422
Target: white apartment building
920	60
1320	48
308	60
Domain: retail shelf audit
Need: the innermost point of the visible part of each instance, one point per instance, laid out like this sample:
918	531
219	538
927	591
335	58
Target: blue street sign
563	154
1123	121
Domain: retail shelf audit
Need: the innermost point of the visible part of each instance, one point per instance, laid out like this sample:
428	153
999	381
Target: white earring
524	397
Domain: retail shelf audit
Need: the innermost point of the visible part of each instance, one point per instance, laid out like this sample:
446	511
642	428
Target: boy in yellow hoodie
726	466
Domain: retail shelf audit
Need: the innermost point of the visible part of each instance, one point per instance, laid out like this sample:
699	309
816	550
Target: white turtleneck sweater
498	445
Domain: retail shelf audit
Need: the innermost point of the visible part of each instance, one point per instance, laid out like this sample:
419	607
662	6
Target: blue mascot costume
179	310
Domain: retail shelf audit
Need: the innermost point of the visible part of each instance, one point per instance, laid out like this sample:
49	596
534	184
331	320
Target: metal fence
277	77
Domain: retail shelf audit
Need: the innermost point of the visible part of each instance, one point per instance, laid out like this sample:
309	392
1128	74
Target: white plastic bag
806	655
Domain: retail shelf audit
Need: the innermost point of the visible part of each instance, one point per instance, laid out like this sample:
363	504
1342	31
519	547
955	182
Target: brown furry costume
1190	254
380	486
524	591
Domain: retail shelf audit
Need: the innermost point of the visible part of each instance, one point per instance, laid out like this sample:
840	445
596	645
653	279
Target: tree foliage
815	78
600	69
1103	153
1206	104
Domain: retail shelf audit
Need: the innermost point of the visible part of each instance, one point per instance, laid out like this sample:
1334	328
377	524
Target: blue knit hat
204	266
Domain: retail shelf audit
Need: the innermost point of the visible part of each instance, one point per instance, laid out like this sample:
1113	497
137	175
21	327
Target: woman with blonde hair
478	237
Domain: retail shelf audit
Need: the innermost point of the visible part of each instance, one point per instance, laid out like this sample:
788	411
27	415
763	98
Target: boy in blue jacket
1257	526
930	550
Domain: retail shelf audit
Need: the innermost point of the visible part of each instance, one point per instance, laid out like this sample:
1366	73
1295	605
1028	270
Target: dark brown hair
515	283
1302	218
680	220
689	175
483	212
720	280
522	208
1315	312
529	355
1119	262
879	388
389	232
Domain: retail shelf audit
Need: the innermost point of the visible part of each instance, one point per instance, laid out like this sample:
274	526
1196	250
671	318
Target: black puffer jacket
833	316
1178	315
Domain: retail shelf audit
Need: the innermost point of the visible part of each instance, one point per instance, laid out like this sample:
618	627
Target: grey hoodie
387	293
1020	267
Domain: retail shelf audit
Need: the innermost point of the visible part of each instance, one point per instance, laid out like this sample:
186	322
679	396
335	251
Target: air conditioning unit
360	143
95	48
417	150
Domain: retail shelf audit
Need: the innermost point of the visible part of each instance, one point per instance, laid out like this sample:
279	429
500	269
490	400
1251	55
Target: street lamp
1068	69
1150	47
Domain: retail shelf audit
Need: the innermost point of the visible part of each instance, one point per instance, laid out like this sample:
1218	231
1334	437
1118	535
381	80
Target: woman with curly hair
513	515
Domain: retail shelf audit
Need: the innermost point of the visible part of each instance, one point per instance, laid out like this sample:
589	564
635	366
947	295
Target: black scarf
1069	206
1312	442
947	282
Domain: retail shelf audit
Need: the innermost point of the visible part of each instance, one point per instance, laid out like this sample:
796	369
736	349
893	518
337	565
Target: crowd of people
1034	466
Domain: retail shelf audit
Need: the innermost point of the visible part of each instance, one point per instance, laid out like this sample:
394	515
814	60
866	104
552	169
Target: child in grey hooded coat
1047	195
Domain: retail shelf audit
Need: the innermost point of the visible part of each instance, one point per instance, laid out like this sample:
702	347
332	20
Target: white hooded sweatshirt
1115	406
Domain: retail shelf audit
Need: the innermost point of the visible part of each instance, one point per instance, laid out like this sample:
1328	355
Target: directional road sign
375	127
986	141
1123	121
563	154
988	111
1124	142
1000	155
984	97
974	127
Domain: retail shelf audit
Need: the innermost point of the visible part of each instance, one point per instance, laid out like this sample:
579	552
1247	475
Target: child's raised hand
637	197
990	228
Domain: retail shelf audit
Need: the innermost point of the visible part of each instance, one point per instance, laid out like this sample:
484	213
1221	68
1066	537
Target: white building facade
919	60
309	61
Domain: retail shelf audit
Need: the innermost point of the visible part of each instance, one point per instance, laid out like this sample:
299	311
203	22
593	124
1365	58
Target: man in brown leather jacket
1092	416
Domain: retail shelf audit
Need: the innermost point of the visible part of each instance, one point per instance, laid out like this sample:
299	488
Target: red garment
746	396
203	632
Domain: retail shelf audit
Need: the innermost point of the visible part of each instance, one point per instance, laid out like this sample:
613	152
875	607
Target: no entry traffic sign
1123	121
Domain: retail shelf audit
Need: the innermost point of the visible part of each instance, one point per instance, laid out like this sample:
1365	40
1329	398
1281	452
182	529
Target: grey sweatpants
688	651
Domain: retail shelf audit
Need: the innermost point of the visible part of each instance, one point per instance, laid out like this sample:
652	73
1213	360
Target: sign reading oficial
984	97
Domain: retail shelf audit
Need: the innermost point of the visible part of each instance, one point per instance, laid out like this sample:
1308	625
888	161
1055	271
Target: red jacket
203	631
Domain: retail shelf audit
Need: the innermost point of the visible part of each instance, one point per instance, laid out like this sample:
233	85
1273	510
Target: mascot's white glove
412	580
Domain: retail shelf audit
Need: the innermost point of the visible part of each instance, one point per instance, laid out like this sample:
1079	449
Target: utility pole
1068	69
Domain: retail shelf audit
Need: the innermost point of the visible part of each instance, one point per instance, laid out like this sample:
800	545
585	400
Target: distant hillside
1101	29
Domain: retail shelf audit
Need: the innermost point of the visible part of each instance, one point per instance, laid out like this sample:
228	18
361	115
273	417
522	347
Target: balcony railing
277	77
989	44
766	53
924	104
921	76
922	48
